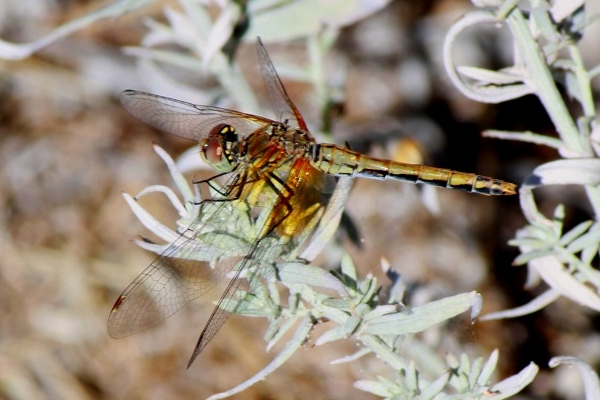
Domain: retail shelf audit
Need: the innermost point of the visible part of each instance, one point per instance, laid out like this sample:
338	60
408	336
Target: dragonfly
276	171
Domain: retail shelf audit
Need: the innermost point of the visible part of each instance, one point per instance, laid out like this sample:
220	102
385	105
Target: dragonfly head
219	148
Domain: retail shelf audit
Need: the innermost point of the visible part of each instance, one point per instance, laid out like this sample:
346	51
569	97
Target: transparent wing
285	110
186	119
219	238
258	255
194	121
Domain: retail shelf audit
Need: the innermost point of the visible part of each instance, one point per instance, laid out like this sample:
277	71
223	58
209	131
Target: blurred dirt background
68	150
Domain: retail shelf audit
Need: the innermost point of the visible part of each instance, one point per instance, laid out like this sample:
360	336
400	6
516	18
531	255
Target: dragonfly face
279	186
221	148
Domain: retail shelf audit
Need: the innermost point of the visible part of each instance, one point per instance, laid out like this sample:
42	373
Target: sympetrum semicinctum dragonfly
267	164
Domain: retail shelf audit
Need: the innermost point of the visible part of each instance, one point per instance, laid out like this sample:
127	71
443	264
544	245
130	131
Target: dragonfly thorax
220	148
294	141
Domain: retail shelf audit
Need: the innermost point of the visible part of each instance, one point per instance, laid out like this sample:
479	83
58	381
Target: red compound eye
216	148
212	150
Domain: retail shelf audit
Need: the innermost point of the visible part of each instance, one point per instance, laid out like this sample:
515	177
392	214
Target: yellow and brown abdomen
336	160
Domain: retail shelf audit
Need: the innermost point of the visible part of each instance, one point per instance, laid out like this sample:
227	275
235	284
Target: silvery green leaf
589	252
183	30
199	16
254	309
383	351
525	258
361	309
257	286
368	287
272	289
180	181
543	22
232	306
383	388
151	223
556	276
452	362
334	314
465	364
340	304
220	33
583	171
485	375
153	247
281	331
514	384
274	326
534	305
298	19
543	234
250	305
395	293
294	302
487	3
591	238
168	57
458	377
574	233
223	244
380	310
306	274
528	242
588	375
489	93
475	372
411	380
351	325
489	77
158	33
524	136
171	196
352	357
421	318
435	387
348	268
558	218
332	335
573	86
423	355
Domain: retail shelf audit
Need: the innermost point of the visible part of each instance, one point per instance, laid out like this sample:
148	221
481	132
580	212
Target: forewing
186	119
285	110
